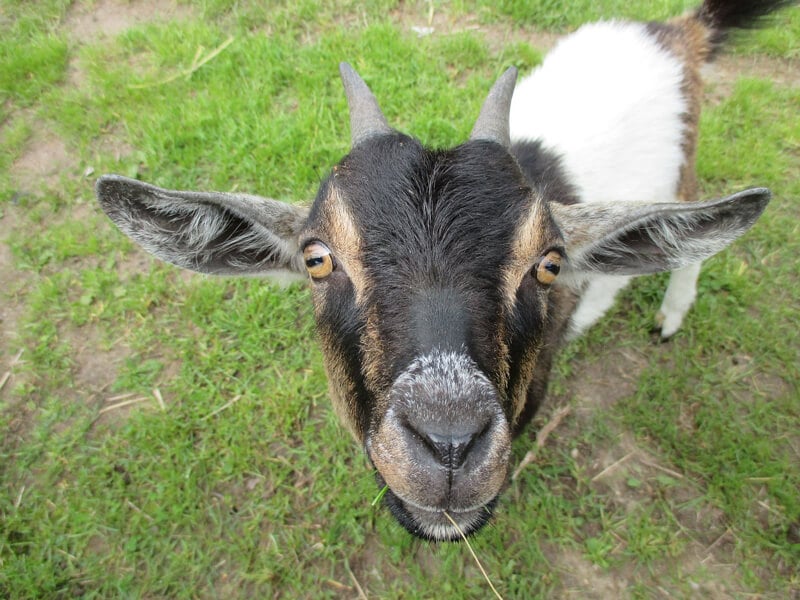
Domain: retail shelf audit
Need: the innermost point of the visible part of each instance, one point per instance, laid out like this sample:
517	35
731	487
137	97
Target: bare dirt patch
12	305
113	144
606	381
497	36
721	75
628	476
107	18
96	366
45	160
582	579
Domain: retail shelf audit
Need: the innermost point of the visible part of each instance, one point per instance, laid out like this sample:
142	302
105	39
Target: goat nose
450	447
451	451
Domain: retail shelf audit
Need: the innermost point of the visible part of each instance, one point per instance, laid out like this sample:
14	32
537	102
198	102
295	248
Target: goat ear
634	239
224	234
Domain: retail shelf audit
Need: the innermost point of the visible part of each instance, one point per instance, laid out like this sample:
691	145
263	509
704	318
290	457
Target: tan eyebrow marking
342	235
533	235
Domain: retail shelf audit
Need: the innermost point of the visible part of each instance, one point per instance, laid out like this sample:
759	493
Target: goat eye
548	267
318	259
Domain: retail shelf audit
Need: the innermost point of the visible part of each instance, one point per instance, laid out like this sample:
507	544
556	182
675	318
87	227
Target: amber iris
548	267
318	259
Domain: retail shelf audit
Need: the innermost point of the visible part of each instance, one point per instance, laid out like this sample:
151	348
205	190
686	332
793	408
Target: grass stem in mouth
380	495
474	556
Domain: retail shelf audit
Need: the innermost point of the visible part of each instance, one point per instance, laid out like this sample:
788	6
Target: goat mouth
434	524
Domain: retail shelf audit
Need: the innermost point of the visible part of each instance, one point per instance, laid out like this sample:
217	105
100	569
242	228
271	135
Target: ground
640	500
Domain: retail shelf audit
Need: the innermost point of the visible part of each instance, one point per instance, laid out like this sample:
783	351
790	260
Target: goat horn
492	123
366	118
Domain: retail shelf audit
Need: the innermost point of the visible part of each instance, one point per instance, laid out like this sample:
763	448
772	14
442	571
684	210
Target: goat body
444	281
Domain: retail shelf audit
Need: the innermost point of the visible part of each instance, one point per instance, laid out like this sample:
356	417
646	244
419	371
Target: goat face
431	315
423	268
433	276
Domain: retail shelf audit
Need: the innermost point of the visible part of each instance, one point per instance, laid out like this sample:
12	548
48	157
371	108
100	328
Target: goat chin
434	524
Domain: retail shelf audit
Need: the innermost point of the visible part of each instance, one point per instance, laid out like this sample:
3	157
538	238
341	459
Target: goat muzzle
443	445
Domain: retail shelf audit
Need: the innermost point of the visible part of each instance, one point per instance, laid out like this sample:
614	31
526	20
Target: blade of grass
186	73
380	495
228	404
474	556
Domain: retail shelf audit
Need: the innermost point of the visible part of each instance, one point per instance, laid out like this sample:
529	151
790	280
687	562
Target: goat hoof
657	336
668	324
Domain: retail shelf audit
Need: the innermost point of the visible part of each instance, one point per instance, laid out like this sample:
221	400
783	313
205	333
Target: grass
267	496
563	16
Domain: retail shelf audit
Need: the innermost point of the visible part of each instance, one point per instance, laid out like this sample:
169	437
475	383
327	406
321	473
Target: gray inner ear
657	244
625	239
229	234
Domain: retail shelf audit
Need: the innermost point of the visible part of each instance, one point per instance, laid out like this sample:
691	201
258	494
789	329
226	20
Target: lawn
168	435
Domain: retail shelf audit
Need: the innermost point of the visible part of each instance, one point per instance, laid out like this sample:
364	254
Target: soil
598	385
108	18
12	308
44	162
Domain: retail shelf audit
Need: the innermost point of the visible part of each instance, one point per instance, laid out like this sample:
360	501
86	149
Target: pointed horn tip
511	72
492	123
507	81
366	118
353	83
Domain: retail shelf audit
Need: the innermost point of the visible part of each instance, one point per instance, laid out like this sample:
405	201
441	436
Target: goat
445	280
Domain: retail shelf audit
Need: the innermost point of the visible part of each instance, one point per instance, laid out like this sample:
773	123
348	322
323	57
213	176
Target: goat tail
721	16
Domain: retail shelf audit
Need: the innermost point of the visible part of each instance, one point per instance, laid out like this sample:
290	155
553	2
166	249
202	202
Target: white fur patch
680	295
447	531
598	297
444	374
608	99
436	384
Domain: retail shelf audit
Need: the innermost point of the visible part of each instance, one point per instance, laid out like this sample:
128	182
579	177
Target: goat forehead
419	211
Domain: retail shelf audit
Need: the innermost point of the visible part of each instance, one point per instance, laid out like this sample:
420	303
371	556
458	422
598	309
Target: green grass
245	485
562	16
778	40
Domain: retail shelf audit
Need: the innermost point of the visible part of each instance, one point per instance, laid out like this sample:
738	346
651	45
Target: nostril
450	449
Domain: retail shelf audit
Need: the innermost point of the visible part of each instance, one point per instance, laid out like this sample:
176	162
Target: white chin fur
444	530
